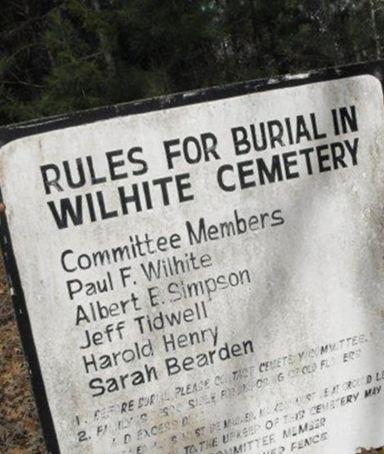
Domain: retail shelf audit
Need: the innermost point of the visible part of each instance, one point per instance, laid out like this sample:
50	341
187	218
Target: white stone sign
207	278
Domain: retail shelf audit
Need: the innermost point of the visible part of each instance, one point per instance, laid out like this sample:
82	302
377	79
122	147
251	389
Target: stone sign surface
205	274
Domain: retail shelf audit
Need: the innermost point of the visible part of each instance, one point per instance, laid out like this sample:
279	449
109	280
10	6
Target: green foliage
63	55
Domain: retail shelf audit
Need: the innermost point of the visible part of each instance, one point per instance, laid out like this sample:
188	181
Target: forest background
60	56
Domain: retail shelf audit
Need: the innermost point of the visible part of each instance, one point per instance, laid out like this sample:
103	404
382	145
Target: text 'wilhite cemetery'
262	146
207	278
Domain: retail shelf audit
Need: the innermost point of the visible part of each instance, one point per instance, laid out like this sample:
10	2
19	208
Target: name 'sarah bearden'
268	139
174	365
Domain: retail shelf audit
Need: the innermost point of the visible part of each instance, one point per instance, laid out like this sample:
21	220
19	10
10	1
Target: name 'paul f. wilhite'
262	145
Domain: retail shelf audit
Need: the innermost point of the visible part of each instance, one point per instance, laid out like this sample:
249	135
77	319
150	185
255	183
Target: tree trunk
104	45
374	29
331	37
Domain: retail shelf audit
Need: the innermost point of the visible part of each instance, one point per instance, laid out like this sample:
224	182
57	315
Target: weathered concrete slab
204	273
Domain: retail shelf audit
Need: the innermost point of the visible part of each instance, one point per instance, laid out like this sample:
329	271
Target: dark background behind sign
57	57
